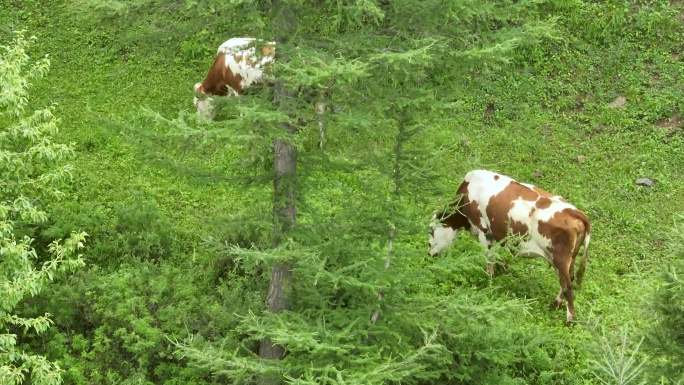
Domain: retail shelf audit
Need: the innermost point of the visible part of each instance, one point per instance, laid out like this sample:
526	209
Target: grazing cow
237	66
492	206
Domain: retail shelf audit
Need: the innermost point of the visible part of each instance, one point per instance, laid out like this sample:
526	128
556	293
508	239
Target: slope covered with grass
583	116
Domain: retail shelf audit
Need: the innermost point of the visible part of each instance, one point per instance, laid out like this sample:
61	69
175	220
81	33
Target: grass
516	120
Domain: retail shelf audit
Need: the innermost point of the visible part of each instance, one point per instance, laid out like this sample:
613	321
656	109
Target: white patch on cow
441	237
482	186
482	237
536	245
236	42
251	65
560	297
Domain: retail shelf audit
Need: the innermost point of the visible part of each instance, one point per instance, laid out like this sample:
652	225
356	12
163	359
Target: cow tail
583	262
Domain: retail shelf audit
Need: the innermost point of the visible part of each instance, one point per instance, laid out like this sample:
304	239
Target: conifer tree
667	307
352	228
393	64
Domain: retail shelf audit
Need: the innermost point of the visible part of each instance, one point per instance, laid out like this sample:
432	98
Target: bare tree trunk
284	217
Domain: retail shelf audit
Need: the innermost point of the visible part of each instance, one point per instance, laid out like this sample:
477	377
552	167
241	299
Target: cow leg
563	265
490	268
487	244
572	270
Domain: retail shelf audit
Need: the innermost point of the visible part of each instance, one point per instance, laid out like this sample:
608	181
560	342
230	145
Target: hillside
584	115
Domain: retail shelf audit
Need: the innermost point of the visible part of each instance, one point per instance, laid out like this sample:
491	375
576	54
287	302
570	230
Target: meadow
165	296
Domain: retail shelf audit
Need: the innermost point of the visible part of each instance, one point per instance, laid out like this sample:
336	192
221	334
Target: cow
236	67
493	206
239	65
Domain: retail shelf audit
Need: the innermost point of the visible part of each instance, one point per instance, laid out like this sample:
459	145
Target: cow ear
197	86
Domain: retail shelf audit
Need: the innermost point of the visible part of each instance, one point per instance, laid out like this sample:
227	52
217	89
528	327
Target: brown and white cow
237	66
493	206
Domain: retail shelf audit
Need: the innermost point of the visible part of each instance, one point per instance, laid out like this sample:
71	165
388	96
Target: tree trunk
285	192
284	217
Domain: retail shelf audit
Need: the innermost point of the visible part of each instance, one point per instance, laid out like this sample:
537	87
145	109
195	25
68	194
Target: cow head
441	234
204	104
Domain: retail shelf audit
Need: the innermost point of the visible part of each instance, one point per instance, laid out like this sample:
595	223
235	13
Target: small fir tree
667	336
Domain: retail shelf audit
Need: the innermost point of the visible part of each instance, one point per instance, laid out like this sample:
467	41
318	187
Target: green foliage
150	200
619	367
142	232
330	337
121	323
129	231
391	73
32	172
667	305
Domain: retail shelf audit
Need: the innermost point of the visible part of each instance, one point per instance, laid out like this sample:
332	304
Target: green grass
543	117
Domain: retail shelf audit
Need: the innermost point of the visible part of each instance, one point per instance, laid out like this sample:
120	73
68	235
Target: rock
646	182
581	158
537	173
465	143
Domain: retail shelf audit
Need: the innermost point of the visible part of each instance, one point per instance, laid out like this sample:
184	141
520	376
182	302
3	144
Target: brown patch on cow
496	177
237	57
561	227
501	204
462	212
532	210
518	228
459	211
453	218
463	189
543	203
541	192
220	78
516	190
471	211
268	51
469	208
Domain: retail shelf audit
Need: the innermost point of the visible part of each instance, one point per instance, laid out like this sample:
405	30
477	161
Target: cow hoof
556	304
570	323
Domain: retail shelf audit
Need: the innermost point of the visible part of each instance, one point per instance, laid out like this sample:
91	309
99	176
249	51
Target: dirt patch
619	102
489	112
674	121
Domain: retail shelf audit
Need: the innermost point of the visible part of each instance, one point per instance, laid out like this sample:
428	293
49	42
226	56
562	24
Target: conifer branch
395	191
